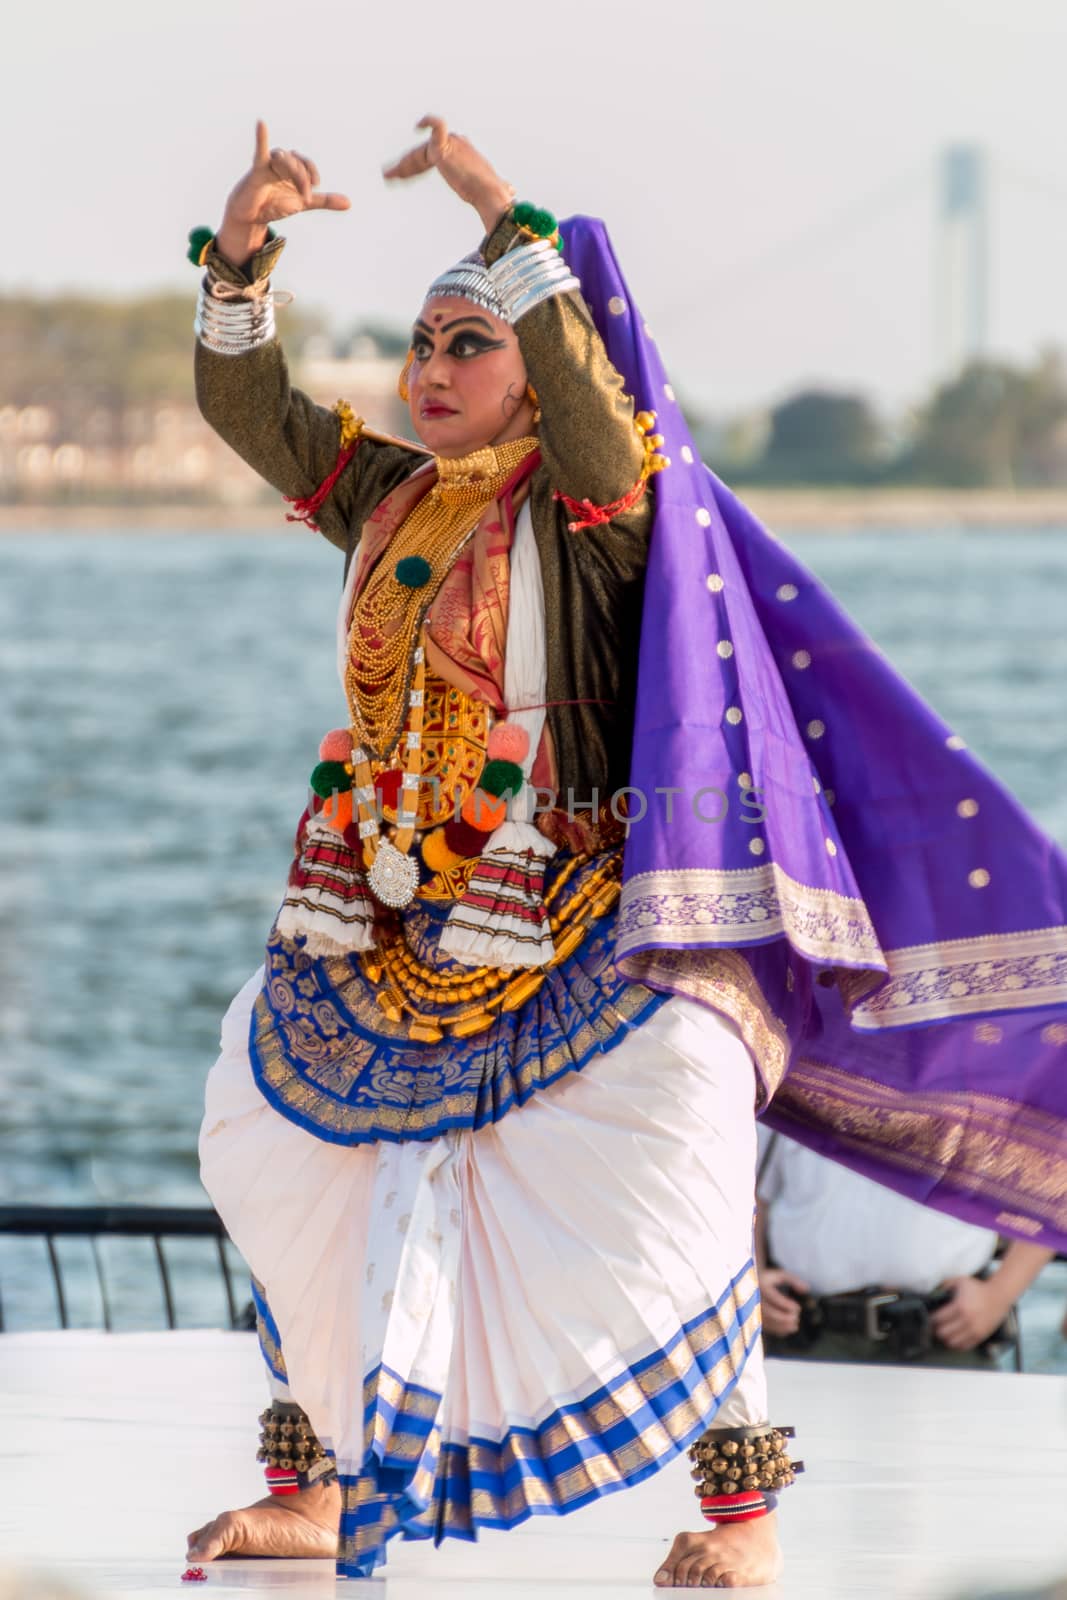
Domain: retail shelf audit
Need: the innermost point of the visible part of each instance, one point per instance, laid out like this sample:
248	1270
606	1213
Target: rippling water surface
162	700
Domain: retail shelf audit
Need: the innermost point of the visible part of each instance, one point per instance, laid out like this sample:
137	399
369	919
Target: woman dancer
490	1163
500	1285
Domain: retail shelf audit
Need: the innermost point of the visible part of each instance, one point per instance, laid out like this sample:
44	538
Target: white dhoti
489	1325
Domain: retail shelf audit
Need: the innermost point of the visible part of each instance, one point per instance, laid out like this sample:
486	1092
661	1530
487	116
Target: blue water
162	700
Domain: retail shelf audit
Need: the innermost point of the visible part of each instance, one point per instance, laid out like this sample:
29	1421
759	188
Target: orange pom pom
483	812
436	854
336	745
337	810
508	741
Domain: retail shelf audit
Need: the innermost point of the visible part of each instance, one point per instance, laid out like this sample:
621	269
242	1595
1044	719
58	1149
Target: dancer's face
467	382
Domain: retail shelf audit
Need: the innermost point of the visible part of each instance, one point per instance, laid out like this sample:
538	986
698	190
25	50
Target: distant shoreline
786	510
838	510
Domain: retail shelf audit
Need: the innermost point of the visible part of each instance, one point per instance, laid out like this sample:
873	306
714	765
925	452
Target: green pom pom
500	778
412	571
198	238
328	776
543	222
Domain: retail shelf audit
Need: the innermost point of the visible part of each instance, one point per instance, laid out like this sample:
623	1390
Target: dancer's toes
682	1563
216	1538
736	1556
301	1525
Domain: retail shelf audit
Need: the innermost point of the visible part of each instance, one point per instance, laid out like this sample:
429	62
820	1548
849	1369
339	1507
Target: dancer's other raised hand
279	183
464	169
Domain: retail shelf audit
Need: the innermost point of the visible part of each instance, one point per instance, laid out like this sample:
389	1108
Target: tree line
993	425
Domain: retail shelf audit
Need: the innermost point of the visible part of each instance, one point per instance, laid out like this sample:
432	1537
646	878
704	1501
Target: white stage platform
113	1446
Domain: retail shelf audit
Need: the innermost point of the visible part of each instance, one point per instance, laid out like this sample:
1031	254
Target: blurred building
63	454
362	369
962	258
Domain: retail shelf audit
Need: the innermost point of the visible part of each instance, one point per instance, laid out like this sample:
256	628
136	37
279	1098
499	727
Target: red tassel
588	515
308	507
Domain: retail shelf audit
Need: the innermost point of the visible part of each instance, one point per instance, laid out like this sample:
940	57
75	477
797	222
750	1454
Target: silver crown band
512	286
468	280
233	323
524	277
524	260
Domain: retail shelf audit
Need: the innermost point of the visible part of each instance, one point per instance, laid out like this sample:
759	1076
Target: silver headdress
523	277
469	279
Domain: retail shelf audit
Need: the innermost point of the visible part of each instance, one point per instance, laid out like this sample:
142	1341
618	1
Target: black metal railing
94	1222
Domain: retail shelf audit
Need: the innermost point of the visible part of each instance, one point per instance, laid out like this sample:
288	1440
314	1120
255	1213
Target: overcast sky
766	169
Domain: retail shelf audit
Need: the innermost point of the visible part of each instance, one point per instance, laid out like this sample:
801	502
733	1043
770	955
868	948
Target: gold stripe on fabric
357	1494
998	972
393	1392
371	1533
425	1474
723	980
725	907
269	1344
980	1143
1012	1220
399	1446
454	1518
393	1439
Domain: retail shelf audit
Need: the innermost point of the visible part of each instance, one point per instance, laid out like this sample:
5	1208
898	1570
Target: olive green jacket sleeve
593	579
283	435
590	447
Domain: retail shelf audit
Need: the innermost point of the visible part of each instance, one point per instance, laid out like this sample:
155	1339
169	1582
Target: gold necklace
385	672
388	615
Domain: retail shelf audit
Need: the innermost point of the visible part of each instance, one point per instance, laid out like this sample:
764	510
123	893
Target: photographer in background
861	1273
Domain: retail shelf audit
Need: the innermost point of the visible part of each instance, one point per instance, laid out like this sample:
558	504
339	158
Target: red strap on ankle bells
281	1482
742	1507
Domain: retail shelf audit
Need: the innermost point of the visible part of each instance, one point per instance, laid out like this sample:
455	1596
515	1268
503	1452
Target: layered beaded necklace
385	675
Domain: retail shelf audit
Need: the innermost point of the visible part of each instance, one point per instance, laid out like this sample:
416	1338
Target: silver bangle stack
523	277
233	321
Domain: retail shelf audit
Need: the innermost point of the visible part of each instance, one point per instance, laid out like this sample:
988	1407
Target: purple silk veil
876	913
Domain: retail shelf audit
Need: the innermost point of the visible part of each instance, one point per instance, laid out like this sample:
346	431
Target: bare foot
735	1555
303	1524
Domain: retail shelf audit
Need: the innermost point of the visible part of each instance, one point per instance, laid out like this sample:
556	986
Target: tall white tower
962	248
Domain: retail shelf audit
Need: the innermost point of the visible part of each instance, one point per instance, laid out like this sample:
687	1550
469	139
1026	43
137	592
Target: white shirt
840	1231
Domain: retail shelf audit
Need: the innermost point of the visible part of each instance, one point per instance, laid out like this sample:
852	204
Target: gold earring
402	382
531	395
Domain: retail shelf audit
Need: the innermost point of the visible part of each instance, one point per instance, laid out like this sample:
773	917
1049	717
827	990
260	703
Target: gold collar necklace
495	461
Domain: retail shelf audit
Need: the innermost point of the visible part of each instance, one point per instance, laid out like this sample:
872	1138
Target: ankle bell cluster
739	1471
294	1457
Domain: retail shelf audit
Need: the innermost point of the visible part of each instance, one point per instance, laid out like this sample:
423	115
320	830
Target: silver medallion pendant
393	877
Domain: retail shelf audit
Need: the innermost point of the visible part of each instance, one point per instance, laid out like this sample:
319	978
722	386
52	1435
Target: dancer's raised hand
464	169
279	183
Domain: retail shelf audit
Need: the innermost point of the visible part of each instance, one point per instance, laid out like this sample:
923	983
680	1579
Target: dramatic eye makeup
466	342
